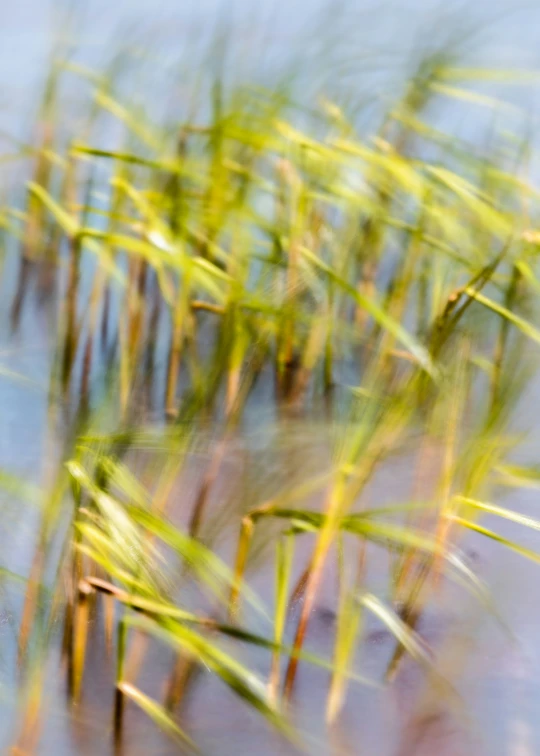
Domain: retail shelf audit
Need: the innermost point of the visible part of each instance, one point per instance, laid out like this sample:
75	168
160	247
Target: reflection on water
486	705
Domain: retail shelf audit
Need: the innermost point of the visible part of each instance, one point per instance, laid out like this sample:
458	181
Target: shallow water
496	676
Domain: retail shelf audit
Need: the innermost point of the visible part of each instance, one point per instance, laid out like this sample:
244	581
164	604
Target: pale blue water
351	45
348	37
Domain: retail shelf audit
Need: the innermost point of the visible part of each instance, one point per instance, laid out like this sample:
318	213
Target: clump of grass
384	283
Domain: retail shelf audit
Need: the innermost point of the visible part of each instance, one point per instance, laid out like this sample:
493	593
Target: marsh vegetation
283	345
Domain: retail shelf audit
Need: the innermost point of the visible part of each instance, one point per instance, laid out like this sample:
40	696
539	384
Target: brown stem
312	587
80	635
206	487
70	340
183	671
246	533
175	351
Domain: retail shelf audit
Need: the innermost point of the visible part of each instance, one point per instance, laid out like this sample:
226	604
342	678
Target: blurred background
269	377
